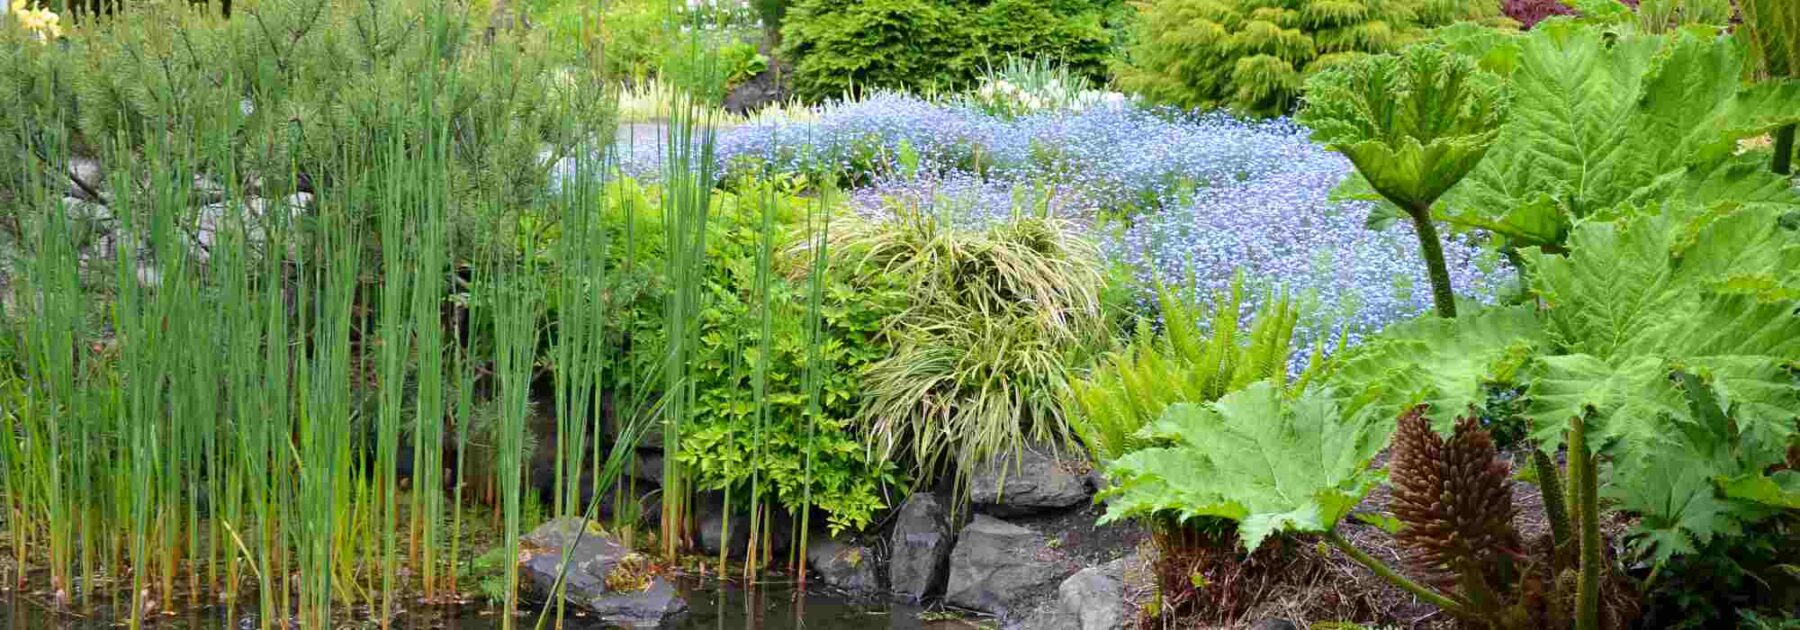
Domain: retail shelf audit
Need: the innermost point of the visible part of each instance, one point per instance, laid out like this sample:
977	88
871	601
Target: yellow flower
43	23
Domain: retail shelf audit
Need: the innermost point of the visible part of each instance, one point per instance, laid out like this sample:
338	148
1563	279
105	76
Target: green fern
1183	363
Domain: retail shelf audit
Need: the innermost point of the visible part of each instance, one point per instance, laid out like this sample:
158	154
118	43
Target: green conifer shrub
841	46
1253	55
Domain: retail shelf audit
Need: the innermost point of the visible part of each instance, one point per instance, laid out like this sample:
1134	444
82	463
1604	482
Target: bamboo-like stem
1586	487
1556	508
1433	250
1382	570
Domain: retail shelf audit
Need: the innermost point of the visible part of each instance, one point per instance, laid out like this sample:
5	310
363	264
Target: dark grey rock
594	557
715	526
1094	599
1001	568
760	91
844	566
648	608
644	508
921	548
1029	481
651	437
649	467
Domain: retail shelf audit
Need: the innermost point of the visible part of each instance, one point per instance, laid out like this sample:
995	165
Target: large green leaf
1710	292
1602	118
1413	124
1698	477
1270	463
1446	363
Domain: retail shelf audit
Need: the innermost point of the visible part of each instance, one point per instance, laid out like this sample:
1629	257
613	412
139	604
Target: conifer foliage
1254	55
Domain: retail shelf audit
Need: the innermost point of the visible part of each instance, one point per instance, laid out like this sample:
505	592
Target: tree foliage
839	47
1253	56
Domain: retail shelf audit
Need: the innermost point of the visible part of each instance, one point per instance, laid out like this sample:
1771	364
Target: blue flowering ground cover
1172	197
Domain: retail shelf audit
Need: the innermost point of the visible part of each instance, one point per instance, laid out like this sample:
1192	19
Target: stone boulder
648	468
602	576
760	91
1002	568
1029	481
847	567
716	526
1094	599
921	548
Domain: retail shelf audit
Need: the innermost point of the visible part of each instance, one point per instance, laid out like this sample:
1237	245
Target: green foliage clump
1603	120
724	444
1671	336
753	335
838	47
1182	363
980	353
1253	56
1271	462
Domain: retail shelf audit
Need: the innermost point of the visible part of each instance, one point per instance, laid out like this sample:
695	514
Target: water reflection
710	607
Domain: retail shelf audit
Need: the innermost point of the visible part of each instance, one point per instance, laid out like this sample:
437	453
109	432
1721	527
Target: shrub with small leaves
838	47
1254	55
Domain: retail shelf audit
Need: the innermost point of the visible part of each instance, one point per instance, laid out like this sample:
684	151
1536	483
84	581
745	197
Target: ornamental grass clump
981	354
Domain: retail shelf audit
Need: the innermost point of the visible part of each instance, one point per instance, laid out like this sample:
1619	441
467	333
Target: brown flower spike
1453	500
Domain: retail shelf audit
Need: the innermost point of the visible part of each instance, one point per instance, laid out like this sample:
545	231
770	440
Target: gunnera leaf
1413	124
1270	463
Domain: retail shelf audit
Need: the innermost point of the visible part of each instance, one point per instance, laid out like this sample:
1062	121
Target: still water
709	607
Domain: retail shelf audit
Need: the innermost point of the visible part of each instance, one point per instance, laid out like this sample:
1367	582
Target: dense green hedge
1253	55
839	46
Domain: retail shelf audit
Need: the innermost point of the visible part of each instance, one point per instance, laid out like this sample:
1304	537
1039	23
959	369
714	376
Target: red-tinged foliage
1530	12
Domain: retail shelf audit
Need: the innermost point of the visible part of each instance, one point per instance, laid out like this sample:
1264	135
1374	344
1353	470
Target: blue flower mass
1187	200
1183	199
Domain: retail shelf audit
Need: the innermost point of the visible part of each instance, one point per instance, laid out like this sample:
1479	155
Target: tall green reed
688	175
